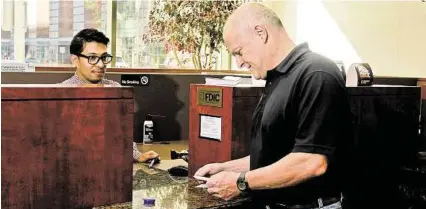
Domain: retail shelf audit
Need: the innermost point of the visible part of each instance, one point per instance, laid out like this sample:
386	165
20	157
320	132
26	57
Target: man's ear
74	60
261	32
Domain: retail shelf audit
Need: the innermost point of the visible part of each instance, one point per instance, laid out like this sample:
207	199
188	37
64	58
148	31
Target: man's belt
320	202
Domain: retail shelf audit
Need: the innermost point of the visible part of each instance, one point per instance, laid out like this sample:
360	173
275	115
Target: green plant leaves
190	26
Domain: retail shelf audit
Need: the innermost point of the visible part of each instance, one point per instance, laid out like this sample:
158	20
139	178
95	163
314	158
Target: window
50	26
132	22
7	41
44	33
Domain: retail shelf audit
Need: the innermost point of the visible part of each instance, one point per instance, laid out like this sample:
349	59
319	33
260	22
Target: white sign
144	80
10	66
62	50
211	127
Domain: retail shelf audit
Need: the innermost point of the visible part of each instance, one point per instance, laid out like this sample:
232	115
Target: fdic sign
208	96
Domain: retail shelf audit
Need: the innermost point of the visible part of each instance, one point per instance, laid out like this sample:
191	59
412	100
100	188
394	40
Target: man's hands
223	185
209	169
223	177
147	156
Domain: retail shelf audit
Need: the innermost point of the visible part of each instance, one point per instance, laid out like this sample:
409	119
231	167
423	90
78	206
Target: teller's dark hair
84	36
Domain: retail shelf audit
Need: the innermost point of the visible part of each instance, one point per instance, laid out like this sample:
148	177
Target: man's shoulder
67	81
318	62
315	63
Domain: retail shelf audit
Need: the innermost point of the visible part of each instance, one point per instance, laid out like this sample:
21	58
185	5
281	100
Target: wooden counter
66	146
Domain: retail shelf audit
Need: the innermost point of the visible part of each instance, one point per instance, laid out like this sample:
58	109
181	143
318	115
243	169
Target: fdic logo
209	96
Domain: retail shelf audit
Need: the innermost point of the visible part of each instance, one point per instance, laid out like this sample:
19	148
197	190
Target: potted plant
190	27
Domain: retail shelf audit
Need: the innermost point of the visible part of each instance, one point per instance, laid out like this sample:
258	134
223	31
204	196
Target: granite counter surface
180	192
171	192
413	186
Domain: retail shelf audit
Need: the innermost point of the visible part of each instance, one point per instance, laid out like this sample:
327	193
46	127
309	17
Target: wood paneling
244	104
64	91
424	91
386	138
421	82
381	80
73	150
423	119
204	151
236	113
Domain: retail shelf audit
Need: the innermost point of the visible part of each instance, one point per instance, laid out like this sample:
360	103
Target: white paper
203	186
221	82
352	78
211	127
62	50
257	82
201	178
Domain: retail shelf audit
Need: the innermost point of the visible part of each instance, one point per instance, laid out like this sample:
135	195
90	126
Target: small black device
179	170
179	155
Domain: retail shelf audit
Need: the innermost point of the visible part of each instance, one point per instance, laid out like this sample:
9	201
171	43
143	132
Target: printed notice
14	66
211	127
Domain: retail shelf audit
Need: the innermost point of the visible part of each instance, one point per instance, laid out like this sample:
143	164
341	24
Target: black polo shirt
304	108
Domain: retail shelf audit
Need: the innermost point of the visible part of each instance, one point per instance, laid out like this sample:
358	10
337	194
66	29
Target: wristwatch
242	183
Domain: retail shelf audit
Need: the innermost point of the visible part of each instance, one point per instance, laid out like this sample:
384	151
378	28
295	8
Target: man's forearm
288	171
238	165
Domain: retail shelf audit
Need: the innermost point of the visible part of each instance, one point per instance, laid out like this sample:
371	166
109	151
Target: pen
152	163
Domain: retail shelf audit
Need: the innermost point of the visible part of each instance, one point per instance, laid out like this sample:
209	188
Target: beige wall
390	35
287	11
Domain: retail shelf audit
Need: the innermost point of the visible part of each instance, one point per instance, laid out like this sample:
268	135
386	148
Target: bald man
300	126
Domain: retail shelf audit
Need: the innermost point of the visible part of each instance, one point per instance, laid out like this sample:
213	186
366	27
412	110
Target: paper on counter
203	186
225	81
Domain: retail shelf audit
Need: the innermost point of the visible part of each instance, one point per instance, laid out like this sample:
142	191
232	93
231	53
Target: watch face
241	186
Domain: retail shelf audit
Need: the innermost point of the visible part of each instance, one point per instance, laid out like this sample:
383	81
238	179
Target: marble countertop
412	186
180	192
171	192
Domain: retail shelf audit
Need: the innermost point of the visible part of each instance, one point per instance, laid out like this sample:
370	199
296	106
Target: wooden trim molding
421	82
148	71
68	69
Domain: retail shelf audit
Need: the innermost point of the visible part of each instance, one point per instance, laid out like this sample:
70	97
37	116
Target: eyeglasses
93	60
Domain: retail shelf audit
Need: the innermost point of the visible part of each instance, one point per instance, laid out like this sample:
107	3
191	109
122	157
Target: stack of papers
16	66
235	82
225	81
258	83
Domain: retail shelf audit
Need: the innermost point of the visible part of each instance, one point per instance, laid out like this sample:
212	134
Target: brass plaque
209	96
